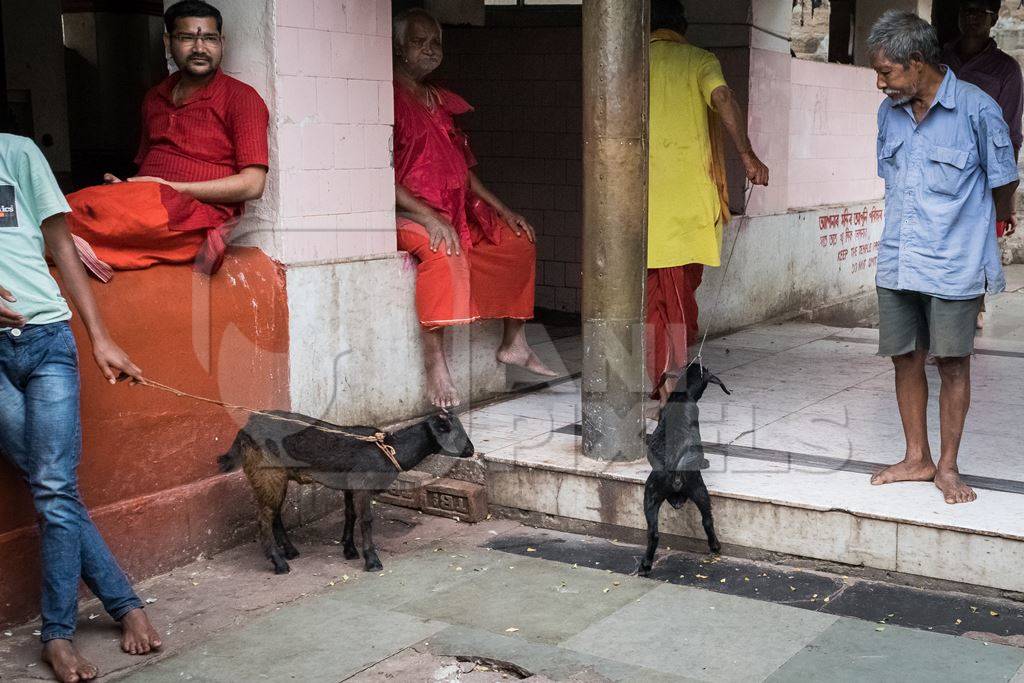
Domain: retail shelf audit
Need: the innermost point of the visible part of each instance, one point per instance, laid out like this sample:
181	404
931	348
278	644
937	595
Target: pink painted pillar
335	119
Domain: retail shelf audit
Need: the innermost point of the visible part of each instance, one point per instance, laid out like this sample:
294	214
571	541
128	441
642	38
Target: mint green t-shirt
28	195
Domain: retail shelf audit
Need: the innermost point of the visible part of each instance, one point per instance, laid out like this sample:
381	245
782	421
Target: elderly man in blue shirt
946	156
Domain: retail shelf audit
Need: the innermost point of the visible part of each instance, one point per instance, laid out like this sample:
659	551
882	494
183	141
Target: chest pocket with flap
947	168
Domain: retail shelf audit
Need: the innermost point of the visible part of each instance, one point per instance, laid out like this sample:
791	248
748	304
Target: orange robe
671	319
494	277
136	225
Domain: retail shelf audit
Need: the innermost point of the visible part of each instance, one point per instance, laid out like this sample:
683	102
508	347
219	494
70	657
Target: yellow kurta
685	209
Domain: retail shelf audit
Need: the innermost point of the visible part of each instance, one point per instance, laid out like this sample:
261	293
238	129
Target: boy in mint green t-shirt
40	427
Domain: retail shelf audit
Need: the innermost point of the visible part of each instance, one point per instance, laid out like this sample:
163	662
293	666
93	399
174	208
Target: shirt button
15	332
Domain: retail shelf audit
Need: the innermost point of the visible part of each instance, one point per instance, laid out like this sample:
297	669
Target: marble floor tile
760	341
852	651
531	599
702	642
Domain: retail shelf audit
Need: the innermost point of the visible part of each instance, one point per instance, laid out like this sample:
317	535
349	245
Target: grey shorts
908	321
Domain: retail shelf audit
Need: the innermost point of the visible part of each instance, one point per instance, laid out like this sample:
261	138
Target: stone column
615	107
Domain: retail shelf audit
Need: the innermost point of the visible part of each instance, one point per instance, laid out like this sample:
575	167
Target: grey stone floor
448	608
560	621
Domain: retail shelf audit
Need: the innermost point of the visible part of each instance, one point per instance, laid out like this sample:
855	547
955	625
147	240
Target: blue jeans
41	435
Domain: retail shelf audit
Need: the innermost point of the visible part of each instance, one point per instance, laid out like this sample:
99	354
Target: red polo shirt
216	133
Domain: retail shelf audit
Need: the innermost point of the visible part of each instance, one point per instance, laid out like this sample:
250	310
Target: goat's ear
444	419
714	380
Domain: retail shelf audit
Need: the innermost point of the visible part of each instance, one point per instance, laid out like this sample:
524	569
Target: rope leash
377	438
744	219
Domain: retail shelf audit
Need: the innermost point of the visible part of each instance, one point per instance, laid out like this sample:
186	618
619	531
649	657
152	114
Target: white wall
832	133
335	115
355	344
784	264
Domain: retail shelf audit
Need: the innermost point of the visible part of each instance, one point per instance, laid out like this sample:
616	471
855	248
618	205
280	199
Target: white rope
742	221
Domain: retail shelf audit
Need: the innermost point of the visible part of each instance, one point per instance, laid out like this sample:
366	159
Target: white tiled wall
335	119
832	132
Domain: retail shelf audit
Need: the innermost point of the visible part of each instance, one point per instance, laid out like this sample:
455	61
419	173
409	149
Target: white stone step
805	511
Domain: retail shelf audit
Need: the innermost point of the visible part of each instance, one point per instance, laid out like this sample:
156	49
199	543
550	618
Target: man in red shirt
203	154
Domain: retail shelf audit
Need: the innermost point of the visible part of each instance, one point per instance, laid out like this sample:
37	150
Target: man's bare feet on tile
906	470
953	488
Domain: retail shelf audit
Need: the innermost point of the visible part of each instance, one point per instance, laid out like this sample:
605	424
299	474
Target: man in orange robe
477	258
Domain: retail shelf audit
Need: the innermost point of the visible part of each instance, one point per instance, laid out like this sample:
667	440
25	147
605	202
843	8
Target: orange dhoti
671	324
136	225
487	281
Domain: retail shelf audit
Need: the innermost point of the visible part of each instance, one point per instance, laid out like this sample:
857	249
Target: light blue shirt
29	195
939	235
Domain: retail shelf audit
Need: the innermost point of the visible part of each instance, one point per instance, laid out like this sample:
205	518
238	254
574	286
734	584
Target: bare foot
953	488
905	470
68	666
440	386
138	637
521	355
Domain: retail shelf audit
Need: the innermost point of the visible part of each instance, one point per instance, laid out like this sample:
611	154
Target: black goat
274	451
676	453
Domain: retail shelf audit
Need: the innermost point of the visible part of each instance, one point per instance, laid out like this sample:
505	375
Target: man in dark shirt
974	58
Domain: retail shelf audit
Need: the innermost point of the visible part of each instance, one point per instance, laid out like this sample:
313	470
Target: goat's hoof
716	548
350	553
373	564
643	571
291	554
282	568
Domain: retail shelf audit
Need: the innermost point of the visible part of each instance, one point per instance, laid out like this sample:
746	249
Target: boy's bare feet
905	470
67	664
953	488
138	637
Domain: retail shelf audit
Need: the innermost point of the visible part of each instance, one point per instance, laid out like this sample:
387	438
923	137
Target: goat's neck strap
388	451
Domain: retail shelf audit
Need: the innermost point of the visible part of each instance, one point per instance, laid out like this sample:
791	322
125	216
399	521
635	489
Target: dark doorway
113	54
72	77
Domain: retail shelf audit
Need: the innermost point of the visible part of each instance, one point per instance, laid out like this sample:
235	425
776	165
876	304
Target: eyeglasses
976	11
193	38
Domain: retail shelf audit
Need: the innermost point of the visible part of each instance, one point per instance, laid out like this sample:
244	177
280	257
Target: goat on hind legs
676	454
658	489
652	506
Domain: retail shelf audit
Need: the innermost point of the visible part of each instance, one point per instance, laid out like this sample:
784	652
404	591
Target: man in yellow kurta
688	202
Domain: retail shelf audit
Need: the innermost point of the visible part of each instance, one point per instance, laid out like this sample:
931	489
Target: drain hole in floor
496	665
